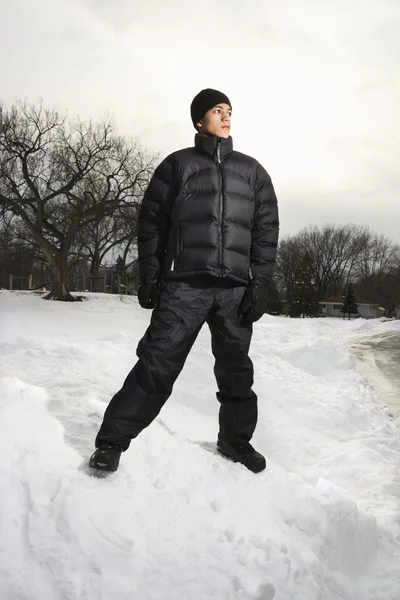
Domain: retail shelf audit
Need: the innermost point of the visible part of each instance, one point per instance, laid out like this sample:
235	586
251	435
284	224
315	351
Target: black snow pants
182	310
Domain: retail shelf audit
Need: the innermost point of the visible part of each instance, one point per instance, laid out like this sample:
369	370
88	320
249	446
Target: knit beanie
204	101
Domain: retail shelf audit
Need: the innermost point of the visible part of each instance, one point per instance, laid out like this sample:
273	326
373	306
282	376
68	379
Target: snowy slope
177	521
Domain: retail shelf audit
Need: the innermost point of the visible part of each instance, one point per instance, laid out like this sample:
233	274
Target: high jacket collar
209	144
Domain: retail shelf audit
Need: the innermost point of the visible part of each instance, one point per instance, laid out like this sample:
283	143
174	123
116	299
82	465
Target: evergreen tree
349	304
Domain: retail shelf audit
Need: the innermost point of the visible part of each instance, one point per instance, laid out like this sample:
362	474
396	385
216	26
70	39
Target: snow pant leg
162	353
233	367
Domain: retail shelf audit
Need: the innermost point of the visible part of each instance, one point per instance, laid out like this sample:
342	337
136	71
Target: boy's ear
199	124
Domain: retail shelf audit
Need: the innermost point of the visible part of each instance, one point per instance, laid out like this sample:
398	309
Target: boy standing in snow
208	234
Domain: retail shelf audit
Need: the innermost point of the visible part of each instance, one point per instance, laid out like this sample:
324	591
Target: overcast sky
314	84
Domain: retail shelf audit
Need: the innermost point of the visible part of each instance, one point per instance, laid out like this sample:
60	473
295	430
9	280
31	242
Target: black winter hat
205	100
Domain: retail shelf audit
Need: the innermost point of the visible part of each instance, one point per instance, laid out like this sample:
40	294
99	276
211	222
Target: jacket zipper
177	248
220	202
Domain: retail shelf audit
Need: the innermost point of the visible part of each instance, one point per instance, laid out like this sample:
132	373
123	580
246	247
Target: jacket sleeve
154	221
265	230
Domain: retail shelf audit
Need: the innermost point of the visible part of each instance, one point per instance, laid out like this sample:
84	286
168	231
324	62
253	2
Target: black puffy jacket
208	210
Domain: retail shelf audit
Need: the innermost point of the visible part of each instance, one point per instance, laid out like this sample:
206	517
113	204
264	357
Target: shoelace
110	447
246	447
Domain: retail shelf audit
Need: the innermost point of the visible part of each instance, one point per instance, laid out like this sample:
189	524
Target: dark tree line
318	263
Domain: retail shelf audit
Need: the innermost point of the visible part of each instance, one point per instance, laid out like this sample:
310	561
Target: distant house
332	307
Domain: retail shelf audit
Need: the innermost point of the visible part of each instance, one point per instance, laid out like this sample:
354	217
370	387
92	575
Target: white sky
314	84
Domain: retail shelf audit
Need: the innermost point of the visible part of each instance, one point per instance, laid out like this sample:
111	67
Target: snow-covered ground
177	521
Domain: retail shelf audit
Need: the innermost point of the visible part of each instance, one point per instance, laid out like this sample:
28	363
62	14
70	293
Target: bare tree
58	178
96	241
379	257
333	254
335	251
18	253
287	264
378	271
129	227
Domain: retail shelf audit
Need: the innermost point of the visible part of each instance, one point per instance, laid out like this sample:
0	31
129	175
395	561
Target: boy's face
217	121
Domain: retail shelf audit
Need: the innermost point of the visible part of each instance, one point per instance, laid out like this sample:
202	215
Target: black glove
254	303
148	294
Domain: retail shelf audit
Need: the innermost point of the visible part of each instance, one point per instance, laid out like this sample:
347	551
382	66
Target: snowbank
178	521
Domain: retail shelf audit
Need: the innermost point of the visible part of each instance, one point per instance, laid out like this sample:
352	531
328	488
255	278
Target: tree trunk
59	285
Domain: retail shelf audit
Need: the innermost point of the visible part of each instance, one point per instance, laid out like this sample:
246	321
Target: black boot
243	453
106	457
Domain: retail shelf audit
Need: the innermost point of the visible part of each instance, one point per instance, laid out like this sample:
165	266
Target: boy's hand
254	303
148	295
